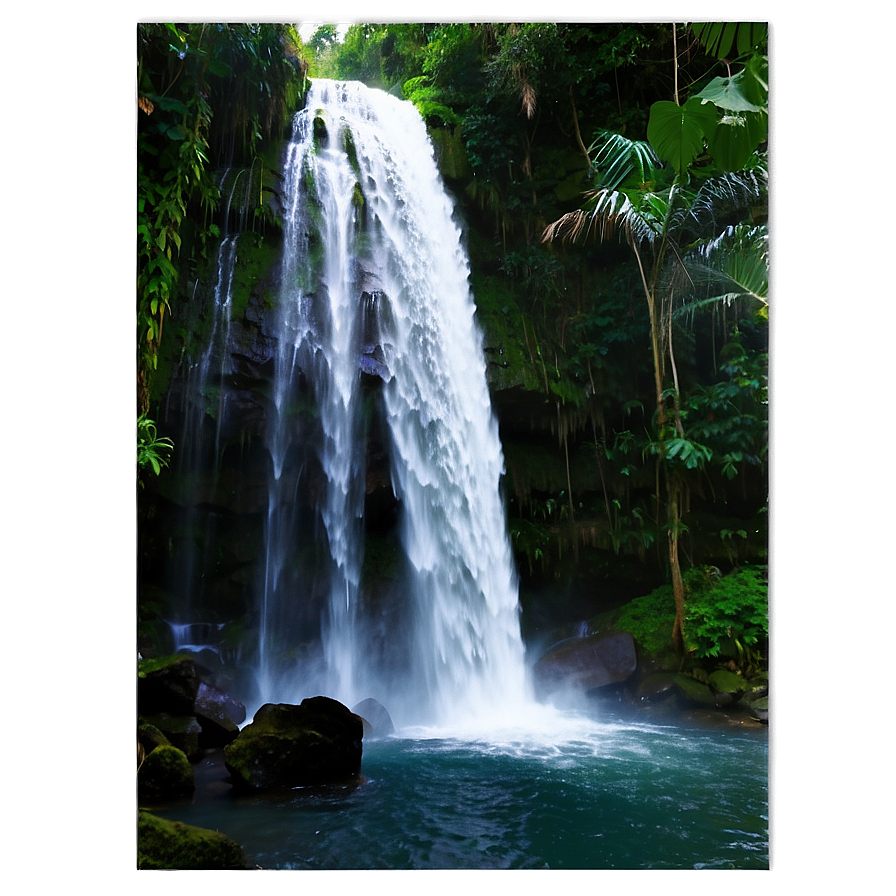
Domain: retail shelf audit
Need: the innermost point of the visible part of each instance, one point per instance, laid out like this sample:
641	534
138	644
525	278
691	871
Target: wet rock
165	772
727	686
656	687
695	692
287	745
377	721
163	844
759	708
219	716
182	731
584	664
150	737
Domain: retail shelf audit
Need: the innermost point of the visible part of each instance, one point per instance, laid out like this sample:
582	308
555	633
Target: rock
584	664
150	737
695	692
163	844
759	708
287	745
728	687
182	732
218	715
168	684
377	721
166	772
656	687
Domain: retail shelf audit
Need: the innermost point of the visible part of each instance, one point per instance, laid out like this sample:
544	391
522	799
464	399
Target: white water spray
368	215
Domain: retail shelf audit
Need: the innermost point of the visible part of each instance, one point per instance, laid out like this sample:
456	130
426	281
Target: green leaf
736	139
731	93
677	132
719	38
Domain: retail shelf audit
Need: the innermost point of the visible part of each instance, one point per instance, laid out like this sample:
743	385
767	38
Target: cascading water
375	279
204	395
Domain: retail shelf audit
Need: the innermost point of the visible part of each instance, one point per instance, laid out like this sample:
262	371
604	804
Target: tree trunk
674	516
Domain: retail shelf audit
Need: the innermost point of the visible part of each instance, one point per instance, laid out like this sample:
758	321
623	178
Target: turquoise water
598	795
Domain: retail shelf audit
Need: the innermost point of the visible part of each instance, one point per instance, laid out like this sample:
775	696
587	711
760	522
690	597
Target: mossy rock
656	687
287	746
163	844
150	737
181	730
165	772
759	707
695	692
724	682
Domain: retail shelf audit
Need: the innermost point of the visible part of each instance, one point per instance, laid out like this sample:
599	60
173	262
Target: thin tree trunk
673	498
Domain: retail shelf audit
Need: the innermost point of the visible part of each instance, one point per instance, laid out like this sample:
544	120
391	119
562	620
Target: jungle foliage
208	96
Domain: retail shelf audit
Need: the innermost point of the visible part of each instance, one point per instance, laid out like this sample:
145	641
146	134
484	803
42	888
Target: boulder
163	844
377	721
287	745
165	773
584	664
167	684
656	687
181	730
218	715
149	737
696	692
727	686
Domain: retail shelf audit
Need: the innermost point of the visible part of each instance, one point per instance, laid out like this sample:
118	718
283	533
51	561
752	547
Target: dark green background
68	659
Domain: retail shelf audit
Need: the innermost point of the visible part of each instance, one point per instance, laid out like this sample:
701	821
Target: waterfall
199	452
377	327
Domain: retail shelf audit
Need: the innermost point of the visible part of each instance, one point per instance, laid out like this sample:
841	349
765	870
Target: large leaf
731	93
736	138
677	132
726	40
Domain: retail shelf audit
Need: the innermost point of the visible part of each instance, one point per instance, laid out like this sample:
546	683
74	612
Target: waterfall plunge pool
611	793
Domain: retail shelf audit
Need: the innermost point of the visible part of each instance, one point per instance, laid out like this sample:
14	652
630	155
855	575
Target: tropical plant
728	614
153	450
661	211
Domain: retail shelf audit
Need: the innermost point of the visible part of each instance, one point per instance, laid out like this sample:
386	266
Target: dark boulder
286	745
377	721
584	664
219	716
163	844
696	693
165	772
656	687
168	684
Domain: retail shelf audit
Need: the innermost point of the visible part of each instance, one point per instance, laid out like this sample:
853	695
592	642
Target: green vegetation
153	451
208	95
163	844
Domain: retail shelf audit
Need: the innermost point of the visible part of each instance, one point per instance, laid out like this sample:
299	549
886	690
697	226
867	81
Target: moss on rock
165	772
163	844
286	745
724	682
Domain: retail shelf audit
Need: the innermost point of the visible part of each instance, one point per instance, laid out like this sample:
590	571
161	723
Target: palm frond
617	159
718	198
732	266
604	213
